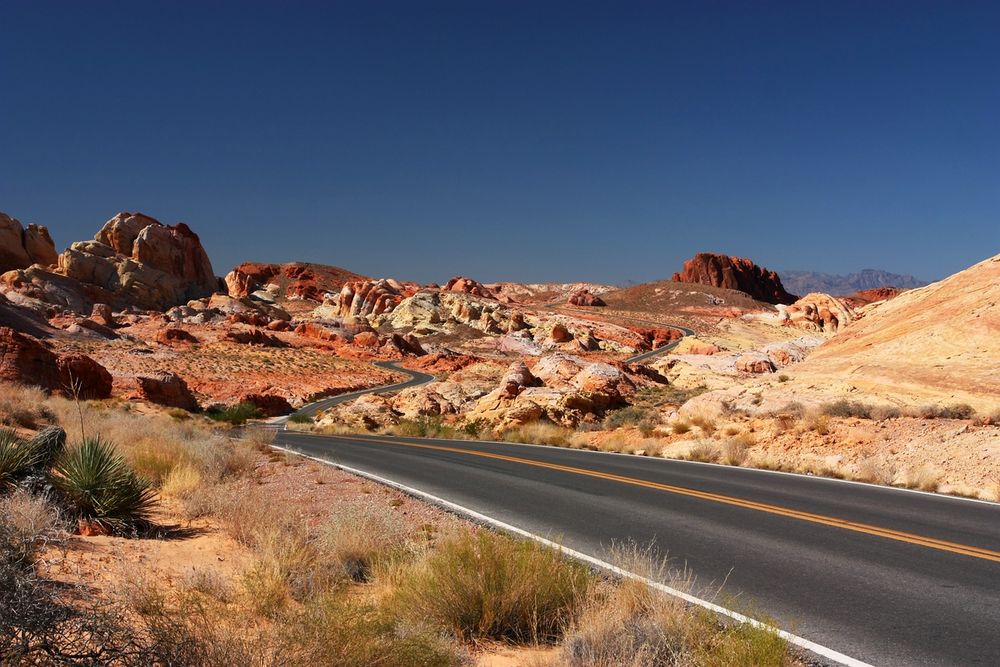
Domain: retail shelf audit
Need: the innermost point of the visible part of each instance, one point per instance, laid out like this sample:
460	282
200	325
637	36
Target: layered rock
134	261
370	298
817	312
26	360
21	247
584	297
468	286
296	280
736	273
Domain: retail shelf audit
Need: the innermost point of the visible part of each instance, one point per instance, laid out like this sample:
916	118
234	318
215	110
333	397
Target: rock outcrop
21	247
369	298
269	405
133	261
585	297
817	312
26	360
736	273
165	388
469	286
296	280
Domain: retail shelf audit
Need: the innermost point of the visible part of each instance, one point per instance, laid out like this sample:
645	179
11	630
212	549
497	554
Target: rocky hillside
936	343
802	282
295	280
134	261
736	273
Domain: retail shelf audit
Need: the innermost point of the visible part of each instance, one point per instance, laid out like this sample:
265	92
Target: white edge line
801	642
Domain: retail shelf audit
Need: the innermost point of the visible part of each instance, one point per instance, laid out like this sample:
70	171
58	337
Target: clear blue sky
514	140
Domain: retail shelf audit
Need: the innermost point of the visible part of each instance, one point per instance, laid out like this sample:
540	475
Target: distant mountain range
803	282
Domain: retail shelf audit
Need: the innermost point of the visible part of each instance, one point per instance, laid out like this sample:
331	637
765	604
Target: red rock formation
443	362
317	332
269	405
295	280
864	297
254	337
164	388
469	286
735	273
371	297
174	335
101	313
21	247
584	297
27	360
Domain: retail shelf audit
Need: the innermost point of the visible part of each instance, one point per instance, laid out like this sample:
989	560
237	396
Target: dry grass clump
875	470
704	451
704	423
734	451
680	426
482	585
954	411
922	477
539	433
642	417
23	406
631	624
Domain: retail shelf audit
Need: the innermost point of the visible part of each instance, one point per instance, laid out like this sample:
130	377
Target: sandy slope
937	343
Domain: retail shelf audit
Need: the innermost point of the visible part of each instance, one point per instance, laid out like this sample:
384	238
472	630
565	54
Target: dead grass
539	433
735	450
23	406
922	477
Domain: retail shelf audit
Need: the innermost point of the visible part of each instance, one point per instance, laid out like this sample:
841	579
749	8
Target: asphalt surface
883	575
902	601
416	378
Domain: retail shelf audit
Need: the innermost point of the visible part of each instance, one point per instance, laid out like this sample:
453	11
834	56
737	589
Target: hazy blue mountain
803	282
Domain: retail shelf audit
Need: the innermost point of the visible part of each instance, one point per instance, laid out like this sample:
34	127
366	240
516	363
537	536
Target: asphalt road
883	575
416	378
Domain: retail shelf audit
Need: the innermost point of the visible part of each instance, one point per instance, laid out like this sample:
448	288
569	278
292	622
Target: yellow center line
888	533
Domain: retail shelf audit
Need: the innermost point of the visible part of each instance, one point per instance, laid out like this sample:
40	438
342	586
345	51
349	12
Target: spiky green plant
16	459
102	487
47	446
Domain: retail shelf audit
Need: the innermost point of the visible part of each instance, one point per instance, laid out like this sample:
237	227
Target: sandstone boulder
584	297
297	280
468	286
818	312
21	247
165	388
735	273
174	335
755	363
101	313
255	337
269	405
560	334
26	360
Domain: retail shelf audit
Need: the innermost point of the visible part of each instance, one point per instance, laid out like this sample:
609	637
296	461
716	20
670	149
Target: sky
508	140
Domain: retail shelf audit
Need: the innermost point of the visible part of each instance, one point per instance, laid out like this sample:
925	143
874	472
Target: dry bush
954	411
539	433
208	582
845	408
875	470
629	623
922	477
479	584
735	450
704	451
23	406
818	423
31	521
680	426
706	424
359	535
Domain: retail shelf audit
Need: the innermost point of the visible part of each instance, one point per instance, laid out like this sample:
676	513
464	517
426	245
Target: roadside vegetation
359	584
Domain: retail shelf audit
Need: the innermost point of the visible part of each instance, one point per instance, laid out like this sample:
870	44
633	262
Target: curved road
886	576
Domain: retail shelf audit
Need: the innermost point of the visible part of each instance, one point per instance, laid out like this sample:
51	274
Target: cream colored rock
818	312
21	247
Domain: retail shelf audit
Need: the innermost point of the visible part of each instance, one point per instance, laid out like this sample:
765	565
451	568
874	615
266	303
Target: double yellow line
888	533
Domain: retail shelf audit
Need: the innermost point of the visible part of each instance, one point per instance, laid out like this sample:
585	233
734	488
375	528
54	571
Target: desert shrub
783	378
884	412
101	487
338	630
734	451
300	418
633	415
845	408
704	423
359	535
680	426
819	423
539	433
702	451
994	418
875	470
237	414
48	446
427	426
23	406
480	584
954	411
922	477
654	397
16	459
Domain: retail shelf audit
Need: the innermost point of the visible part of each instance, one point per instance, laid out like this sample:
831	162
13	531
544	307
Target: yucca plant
16	459
47	446
102	488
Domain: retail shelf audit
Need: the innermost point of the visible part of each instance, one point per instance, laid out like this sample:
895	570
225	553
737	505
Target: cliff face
736	273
